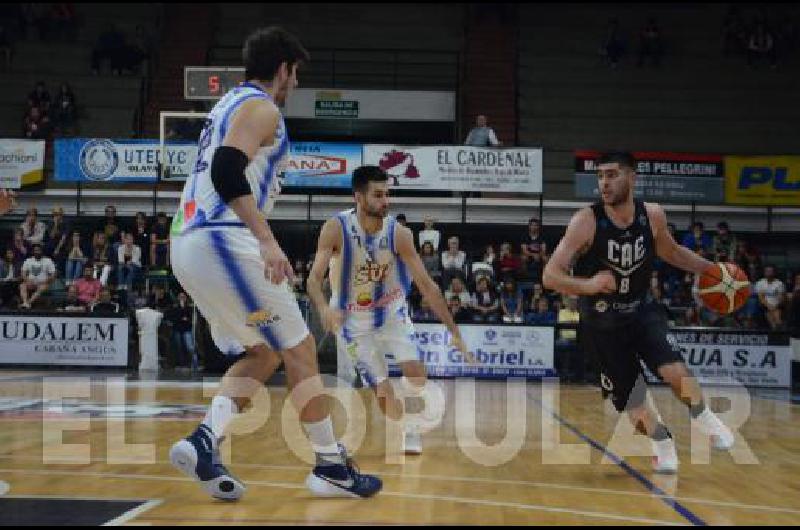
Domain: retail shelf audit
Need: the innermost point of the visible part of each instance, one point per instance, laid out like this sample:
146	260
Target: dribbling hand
602	283
276	267
332	320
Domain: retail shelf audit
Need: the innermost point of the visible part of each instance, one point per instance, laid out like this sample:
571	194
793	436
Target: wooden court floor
563	458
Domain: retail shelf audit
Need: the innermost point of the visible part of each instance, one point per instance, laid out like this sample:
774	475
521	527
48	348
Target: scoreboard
210	82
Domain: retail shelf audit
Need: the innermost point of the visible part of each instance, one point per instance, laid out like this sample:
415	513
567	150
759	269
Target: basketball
724	288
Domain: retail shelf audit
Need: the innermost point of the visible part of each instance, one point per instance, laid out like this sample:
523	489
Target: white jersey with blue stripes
201	205
369	281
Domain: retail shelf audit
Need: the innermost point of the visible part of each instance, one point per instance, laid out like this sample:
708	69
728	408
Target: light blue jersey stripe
240	284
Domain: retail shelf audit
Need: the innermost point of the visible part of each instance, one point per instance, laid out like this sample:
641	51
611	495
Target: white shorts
370	353
222	270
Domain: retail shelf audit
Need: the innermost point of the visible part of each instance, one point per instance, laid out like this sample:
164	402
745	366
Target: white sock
709	421
220	414
321	436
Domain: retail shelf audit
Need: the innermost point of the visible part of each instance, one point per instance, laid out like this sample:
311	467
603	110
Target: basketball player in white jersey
372	262
226	257
6	201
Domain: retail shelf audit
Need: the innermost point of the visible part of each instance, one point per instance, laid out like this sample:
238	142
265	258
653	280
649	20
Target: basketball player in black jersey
615	241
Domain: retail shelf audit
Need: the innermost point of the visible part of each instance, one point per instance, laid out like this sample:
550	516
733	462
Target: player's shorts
223	272
620	352
369	353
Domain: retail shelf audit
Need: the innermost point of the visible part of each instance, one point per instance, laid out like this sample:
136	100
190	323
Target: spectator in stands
453	261
509	264
159	242
511	302
691	317
129	263
88	287
461	315
424	313
431	261
613	46
38	272
542	316
20	247
761	47
105	304
650	44
6	49
71	304
65	110
62	21
33	230
697	240
793	317
101	257
485	303
39	97
36	125
733	32
725	243
110	45
141	236
457	288
77	257
110	225
489	255
569	315
55	238
401	219
300	277
770	292
430	234
10	277
159	298
180	315
482	135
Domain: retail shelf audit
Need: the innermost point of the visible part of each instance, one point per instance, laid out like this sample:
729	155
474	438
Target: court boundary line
133	513
476	480
284	485
630	470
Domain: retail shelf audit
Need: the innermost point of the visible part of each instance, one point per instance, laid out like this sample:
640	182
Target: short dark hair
267	48
534	220
363	175
622	158
401	217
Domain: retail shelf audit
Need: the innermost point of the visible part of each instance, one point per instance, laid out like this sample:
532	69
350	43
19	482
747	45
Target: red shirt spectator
88	288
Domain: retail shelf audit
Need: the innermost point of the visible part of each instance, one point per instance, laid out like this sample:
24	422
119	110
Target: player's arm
577	238
668	249
330	241
404	245
252	126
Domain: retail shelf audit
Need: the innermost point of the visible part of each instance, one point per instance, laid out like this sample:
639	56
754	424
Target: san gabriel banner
458	167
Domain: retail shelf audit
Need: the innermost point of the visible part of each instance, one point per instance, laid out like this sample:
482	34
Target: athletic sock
323	441
220	414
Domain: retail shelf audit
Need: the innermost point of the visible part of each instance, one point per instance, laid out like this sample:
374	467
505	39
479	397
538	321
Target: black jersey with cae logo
628	253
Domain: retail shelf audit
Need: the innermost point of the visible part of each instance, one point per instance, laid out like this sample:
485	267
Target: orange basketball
724	288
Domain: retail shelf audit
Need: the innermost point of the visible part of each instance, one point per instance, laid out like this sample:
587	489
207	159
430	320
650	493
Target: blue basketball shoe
198	457
331	479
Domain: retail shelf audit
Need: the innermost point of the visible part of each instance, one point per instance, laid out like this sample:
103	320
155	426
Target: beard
619	198
378	213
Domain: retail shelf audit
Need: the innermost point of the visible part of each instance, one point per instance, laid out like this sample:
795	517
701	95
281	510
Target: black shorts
621	350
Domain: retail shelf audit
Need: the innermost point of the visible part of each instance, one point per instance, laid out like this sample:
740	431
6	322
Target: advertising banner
63	340
104	160
762	180
754	358
322	164
669	177
459	168
21	163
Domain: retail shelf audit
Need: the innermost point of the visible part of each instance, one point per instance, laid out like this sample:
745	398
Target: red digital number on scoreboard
213	84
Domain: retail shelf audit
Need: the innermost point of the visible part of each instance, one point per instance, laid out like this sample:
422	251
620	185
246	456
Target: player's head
371	190
272	55
616	173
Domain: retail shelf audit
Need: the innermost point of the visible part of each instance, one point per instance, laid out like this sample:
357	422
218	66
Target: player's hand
602	283
276	267
460	345
332	319
6	201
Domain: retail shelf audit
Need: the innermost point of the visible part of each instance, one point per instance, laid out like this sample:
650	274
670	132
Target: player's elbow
548	277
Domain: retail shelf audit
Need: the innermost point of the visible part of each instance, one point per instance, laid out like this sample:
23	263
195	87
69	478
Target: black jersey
628	253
